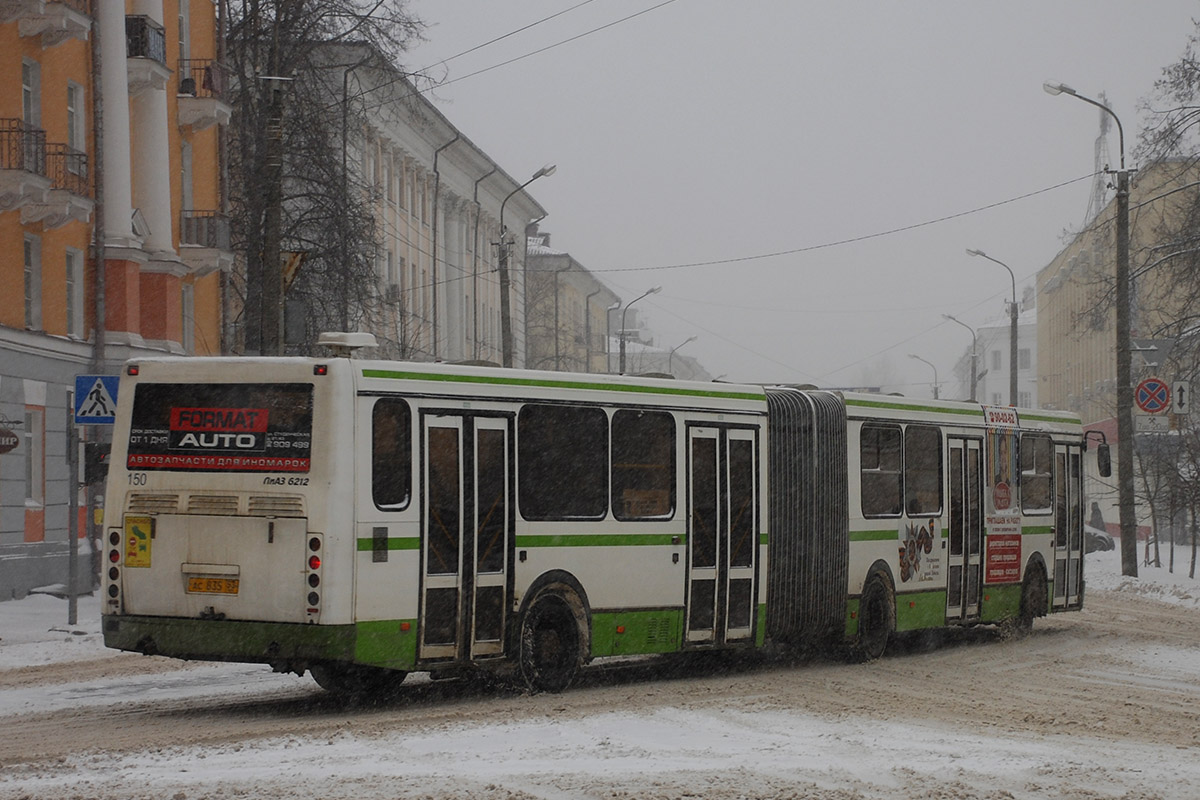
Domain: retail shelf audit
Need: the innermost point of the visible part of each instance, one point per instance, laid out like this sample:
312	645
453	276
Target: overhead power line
852	240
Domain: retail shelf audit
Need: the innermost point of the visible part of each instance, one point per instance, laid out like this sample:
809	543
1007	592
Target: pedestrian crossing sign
96	399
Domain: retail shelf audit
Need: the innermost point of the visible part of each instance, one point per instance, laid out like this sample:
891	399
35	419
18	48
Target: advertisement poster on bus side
920	559
1002	559
221	427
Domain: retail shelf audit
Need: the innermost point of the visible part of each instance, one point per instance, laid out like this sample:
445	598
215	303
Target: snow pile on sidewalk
1103	572
34	631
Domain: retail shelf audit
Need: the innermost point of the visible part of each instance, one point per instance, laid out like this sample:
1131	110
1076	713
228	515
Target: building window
1024	359
33	283
1024	399
75	125
187	304
996	359
996	399
185	175
31	93
74	270
35	462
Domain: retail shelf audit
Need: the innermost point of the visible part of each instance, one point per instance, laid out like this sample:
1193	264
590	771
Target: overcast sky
704	131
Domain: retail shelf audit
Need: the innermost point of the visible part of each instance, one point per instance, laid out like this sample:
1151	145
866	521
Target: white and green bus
362	519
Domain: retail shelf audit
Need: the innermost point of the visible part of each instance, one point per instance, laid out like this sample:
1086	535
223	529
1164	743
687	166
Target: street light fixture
506	343
974	353
1125	497
1013	311
621	333
935	378
673	349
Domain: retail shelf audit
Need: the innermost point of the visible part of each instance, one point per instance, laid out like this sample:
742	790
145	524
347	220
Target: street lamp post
587	328
935	379
671	357
974	353
506	343
621	333
1013	311
1125	497
608	336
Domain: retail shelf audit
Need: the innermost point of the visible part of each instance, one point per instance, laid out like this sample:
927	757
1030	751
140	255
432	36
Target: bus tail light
312	576
113	590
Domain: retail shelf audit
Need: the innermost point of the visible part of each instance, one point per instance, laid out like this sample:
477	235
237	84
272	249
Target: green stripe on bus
1031	530
393	543
970	412
553	384
873	536
600	540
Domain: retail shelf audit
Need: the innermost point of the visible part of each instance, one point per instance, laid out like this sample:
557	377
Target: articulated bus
362	519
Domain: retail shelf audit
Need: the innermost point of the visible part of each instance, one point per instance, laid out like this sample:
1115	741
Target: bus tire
551	644
876	618
1033	598
356	680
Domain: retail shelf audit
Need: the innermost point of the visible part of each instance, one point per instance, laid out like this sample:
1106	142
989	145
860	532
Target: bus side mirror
1104	461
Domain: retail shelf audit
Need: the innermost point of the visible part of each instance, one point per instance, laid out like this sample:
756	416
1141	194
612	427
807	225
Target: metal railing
205	229
202	77
68	169
22	147
145	38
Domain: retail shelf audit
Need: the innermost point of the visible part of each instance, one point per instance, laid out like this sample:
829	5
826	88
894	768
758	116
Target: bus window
391	454
922	470
879	454
562	462
1036	459
643	465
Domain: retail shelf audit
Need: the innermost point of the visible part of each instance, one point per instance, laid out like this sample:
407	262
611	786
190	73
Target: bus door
722	534
465	532
1068	525
965	530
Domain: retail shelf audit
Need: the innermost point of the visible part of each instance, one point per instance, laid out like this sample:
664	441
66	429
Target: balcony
205	241
70	195
55	22
146	49
202	86
23	179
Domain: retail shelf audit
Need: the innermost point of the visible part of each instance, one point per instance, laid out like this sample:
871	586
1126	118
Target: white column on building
152	162
118	193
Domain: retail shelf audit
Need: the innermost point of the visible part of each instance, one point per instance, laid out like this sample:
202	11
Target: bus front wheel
551	644
1033	599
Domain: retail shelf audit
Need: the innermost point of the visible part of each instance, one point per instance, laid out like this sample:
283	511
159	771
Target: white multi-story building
993	346
437	200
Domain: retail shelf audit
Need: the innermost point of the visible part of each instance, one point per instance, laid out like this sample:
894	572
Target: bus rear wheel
356	680
876	618
551	644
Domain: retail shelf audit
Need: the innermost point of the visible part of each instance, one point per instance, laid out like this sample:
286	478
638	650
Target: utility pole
1125	490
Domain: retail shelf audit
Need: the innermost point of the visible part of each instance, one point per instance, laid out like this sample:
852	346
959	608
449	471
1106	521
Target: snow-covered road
1101	704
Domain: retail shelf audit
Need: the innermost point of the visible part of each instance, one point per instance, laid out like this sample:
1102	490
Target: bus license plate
213	585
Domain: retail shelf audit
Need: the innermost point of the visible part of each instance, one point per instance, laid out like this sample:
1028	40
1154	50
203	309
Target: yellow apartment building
111	247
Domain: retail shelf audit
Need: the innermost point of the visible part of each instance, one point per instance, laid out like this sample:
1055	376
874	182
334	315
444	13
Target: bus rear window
242	427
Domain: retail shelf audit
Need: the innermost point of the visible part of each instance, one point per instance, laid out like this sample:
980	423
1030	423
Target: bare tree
324	211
